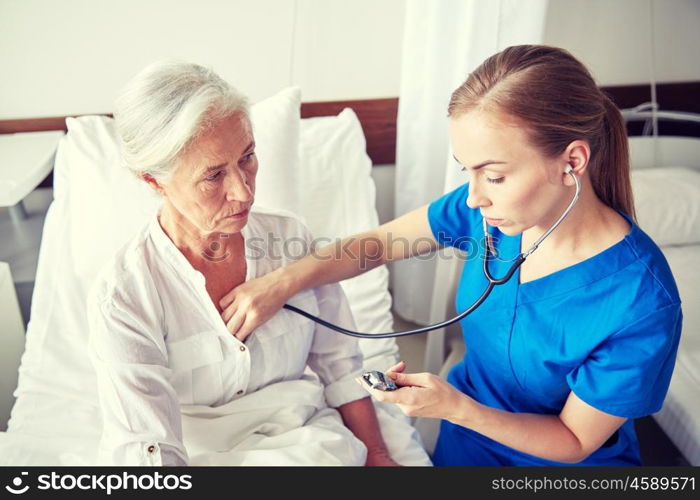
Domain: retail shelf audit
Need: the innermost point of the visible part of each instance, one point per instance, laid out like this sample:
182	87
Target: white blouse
157	340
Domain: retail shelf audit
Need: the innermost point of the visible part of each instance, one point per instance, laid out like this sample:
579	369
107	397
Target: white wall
614	38
72	56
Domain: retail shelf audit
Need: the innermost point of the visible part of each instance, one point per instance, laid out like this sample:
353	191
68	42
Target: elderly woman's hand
380	459
252	303
421	394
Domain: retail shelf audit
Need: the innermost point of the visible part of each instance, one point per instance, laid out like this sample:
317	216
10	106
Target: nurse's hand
252	303
420	394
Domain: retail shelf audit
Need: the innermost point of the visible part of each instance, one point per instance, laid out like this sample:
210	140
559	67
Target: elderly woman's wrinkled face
213	184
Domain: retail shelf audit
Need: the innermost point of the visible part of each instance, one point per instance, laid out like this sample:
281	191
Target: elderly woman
176	387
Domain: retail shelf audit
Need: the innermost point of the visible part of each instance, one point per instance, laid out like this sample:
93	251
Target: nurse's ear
576	155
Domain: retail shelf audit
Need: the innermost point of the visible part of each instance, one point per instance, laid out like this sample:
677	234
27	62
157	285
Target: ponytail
611	178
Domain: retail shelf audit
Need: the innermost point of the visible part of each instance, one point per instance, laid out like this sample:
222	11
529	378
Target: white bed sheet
680	415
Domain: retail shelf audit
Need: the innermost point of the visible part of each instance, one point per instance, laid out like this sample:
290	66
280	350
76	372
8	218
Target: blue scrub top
606	328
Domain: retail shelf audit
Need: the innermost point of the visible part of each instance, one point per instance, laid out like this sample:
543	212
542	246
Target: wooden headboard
378	119
378	116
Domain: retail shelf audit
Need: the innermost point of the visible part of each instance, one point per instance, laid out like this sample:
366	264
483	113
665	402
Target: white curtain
443	41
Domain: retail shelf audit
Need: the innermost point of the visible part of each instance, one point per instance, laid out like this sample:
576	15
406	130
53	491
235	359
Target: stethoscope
492	281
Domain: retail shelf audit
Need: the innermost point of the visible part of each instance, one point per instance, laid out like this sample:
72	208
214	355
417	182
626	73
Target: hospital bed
676	203
666	183
317	167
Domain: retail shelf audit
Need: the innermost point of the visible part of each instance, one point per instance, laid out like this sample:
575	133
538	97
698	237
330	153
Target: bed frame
378	116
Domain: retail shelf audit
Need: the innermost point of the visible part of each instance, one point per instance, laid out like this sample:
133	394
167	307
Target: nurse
562	359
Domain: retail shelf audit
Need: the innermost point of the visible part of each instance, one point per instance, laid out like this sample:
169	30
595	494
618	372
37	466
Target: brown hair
555	96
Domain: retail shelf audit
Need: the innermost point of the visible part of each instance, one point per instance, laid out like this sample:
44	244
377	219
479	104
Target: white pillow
108	204
276	129
652	152
337	199
667	202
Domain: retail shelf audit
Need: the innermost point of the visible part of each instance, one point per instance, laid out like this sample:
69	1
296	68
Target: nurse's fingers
397	368
235	323
407	399
412	379
248	327
228	311
383	396
228	299
227	314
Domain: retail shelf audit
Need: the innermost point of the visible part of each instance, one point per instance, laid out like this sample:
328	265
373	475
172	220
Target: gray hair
164	107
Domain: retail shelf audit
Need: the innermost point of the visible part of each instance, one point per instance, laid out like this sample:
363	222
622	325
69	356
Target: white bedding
666	185
680	415
266	427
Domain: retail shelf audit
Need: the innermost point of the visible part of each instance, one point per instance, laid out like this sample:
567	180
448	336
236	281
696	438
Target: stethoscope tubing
492	282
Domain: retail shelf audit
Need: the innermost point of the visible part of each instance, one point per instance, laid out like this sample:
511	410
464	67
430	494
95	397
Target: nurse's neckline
581	263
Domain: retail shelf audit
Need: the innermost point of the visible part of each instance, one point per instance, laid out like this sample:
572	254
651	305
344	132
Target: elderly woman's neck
197	246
